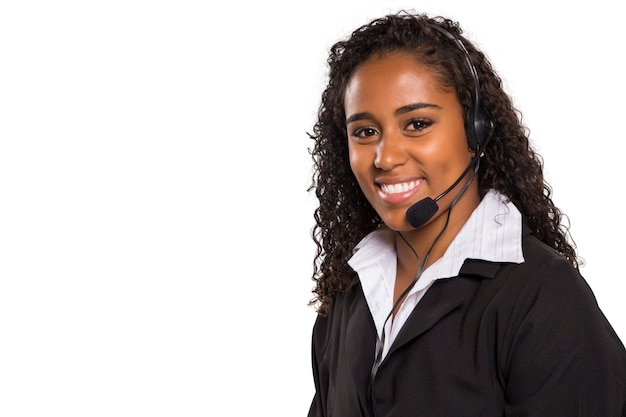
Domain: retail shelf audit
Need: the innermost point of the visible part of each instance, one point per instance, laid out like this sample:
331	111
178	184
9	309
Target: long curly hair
509	165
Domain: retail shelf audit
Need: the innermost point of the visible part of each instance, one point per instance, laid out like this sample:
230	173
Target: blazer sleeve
561	356
319	340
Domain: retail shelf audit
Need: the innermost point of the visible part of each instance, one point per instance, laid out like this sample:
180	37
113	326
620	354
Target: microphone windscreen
419	213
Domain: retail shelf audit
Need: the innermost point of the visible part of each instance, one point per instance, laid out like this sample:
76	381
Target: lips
398	192
398	188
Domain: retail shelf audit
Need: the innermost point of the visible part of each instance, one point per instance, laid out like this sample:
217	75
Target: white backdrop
155	256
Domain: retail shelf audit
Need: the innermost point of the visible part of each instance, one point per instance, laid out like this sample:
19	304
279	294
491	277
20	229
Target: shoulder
547	299
543	276
347	311
543	270
546	287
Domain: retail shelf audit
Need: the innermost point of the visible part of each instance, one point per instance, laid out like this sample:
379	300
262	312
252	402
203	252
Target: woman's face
406	136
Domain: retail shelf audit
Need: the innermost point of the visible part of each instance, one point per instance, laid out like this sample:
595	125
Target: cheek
356	159
455	150
360	164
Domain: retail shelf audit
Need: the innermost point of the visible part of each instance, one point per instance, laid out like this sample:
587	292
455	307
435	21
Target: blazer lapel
442	297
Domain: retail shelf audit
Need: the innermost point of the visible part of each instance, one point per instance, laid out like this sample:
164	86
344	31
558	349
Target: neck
431	241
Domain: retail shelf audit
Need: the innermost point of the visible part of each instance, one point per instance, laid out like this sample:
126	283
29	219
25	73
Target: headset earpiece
480	134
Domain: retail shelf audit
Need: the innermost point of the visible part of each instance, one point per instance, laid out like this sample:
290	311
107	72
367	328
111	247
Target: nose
390	152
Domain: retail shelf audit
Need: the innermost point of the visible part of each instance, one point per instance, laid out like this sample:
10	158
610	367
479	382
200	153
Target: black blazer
498	340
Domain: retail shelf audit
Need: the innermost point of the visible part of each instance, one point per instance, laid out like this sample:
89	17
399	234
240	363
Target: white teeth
398	188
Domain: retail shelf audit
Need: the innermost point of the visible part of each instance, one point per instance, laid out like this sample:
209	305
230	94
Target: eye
364	132
418	124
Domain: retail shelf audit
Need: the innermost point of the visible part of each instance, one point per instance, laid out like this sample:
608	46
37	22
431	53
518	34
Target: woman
445	283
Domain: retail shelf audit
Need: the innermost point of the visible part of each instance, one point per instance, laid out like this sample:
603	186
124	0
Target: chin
397	224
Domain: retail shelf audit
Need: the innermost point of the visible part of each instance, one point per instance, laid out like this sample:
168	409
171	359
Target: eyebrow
401	110
416	106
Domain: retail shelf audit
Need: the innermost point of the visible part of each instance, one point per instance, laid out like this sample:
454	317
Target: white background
155	256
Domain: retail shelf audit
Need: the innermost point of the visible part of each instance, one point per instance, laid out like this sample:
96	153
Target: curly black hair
509	165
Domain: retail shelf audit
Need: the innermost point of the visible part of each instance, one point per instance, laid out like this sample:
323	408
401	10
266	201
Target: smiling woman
445	281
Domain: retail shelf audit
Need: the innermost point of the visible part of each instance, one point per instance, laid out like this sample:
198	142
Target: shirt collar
492	233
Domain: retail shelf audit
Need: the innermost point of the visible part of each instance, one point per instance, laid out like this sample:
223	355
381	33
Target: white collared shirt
493	232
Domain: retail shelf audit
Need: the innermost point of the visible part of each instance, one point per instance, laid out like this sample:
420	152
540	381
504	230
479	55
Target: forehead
396	77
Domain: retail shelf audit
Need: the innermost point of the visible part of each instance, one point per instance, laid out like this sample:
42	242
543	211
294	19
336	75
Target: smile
399	188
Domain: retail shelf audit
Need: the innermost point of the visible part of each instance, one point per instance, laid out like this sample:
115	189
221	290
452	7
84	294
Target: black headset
479	134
